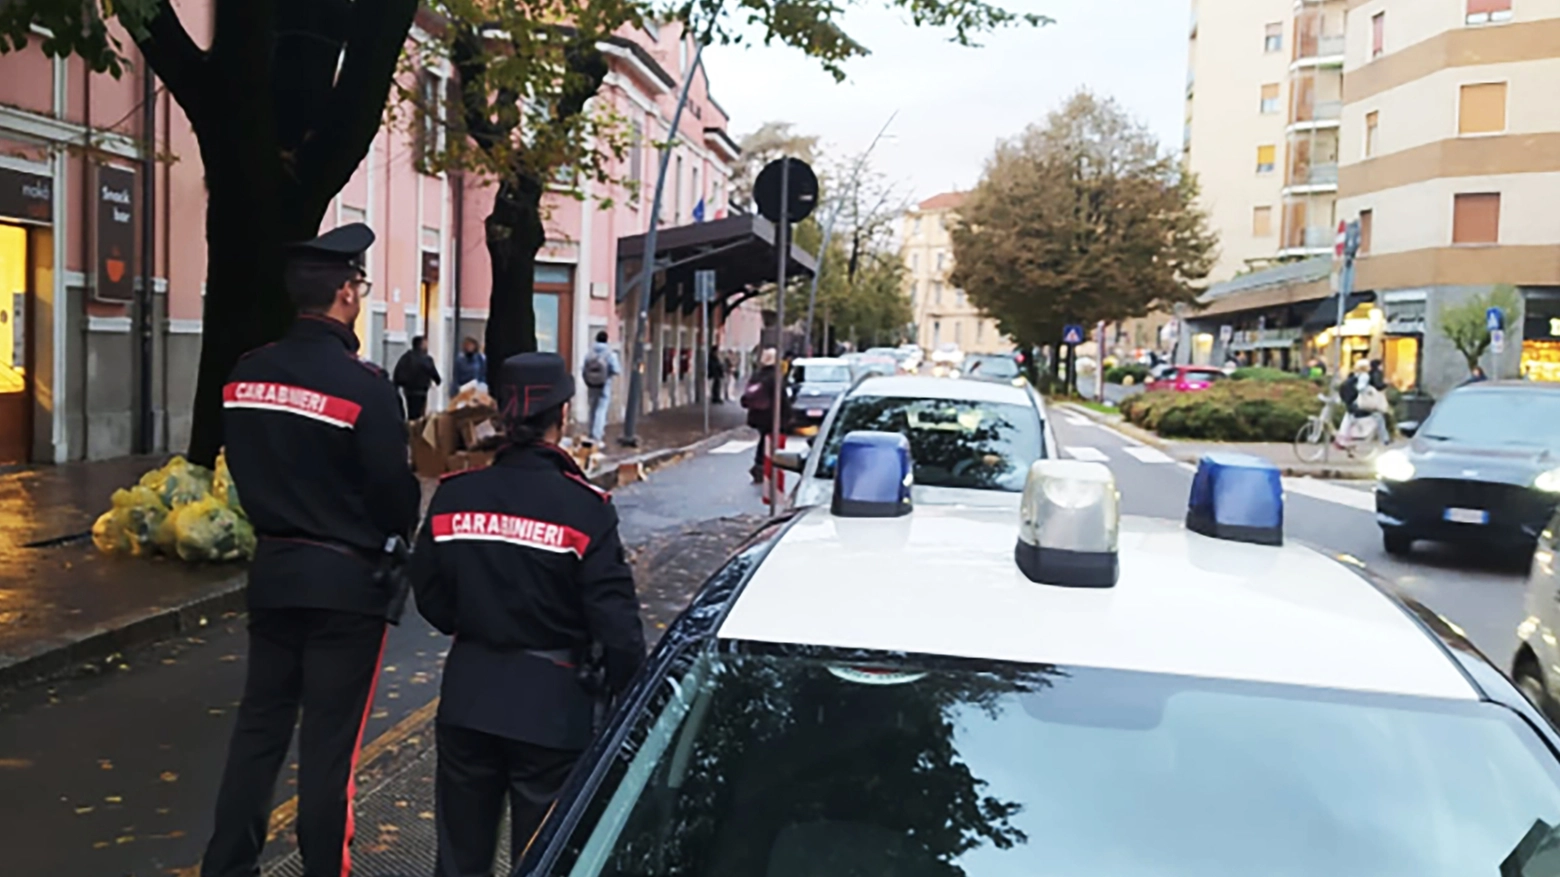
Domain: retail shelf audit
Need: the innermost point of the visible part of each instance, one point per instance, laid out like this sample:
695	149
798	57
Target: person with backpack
759	400
601	366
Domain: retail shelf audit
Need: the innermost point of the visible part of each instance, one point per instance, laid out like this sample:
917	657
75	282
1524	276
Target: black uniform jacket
522	563
318	450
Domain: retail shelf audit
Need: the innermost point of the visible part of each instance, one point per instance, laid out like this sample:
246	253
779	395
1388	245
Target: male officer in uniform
522	563
318	449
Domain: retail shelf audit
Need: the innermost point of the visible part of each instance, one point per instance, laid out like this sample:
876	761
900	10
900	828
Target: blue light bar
1237	497
873	475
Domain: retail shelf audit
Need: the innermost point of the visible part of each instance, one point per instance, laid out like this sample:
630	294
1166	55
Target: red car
1186	378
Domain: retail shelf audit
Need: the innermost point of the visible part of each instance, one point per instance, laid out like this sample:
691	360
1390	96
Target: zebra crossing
1355	495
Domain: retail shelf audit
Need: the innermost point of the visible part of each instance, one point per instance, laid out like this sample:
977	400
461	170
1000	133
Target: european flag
698	211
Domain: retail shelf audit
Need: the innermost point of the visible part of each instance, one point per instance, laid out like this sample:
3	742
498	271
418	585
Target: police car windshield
783	765
955	443
1497	417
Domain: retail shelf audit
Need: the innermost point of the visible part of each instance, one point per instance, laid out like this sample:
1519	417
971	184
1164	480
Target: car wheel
1530	680
1397	543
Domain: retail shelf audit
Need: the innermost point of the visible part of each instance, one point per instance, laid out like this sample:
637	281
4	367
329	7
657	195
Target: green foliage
1077	220
1231	411
1118	373
1263	373
1464	325
75	27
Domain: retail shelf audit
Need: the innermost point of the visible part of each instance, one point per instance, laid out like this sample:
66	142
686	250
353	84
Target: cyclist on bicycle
1363	394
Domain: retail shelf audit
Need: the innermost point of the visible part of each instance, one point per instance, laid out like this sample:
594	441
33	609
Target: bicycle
1318	436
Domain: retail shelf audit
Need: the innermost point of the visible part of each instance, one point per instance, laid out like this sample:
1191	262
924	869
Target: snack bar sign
116	263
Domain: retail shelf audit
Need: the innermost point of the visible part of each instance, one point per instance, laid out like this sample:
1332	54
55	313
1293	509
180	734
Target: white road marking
1364	500
1087	454
1078	420
1146	454
736	446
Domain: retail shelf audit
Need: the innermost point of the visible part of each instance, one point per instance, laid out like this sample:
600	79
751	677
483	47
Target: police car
972	442
1055	690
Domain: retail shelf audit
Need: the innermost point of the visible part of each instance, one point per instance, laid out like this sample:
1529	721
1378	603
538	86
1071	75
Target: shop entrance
16	379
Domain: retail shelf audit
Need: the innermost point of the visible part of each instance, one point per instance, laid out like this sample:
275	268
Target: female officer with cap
522	563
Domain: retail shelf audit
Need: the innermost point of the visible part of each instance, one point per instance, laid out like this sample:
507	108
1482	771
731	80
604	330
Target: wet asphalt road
1479	592
114	775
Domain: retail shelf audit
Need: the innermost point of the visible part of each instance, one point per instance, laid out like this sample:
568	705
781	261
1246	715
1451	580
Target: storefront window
1402	362
1541	336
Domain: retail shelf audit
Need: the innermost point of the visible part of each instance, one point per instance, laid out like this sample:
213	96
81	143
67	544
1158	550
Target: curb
1138	434
154	625
55	661
609	477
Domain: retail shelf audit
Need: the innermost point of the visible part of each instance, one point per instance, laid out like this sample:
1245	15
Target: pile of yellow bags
181	510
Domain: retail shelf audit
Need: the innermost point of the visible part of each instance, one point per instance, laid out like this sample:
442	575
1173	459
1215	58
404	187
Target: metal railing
1314	175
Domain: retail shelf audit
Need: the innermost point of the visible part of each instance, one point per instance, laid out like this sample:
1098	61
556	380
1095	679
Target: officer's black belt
363	554
557	656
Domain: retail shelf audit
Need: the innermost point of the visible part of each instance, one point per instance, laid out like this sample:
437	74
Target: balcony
1312	48
1308	240
1319	175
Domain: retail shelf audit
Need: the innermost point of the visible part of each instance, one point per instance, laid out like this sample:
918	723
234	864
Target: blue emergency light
1237	497
872	476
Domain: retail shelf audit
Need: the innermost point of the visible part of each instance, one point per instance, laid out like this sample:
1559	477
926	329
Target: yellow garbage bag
178	482
210	532
222	486
132	523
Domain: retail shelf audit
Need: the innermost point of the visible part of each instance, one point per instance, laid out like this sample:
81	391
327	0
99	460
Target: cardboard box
478	431
427	459
460	461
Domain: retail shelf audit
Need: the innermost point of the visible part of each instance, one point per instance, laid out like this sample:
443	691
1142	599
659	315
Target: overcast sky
955	103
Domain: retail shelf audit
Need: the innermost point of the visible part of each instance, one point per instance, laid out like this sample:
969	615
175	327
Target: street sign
1226	332
1341	240
801	186
1498	340
1351	240
1495	320
1072	334
704	285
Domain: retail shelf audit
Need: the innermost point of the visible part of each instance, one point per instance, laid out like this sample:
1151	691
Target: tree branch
376	35
467	55
175	58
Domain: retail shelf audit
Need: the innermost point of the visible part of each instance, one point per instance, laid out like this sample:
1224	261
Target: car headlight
1395	466
1548	482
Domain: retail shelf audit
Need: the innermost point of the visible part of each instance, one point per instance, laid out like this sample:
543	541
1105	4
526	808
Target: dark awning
1326	312
739	249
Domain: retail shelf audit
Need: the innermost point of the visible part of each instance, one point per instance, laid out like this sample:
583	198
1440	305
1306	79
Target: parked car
1002	368
1484	468
1187	378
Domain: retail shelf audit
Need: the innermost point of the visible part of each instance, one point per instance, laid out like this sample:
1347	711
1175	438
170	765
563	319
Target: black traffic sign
799	181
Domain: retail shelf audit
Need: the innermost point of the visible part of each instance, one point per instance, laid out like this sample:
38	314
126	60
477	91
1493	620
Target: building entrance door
16	391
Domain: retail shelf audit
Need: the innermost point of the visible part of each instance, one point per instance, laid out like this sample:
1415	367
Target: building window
653	29
682	55
916	225
1367	222
1481	108
1270	98
1273	37
915	261
936	332
1476	218
1378	34
980	330
915	294
1262	222
939	260
937	289
1267	159
636	161
1488	11
958	297
430	120
958	331
1372	122
677	194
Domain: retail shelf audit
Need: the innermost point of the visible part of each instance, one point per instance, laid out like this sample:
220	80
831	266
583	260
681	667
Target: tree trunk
515	234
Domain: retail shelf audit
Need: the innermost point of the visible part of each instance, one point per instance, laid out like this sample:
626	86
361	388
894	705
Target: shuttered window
1476	218
1372	124
1378	34
1367	224
1481	108
1488	11
1262	222
1270	98
1267	159
1273	38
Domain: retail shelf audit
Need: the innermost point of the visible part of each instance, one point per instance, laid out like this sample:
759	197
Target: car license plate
1467	516
814	412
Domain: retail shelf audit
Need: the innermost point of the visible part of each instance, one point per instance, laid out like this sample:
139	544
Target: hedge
1118	373
1230	411
1263	373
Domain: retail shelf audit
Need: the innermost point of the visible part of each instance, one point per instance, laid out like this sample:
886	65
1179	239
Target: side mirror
790	461
1408	428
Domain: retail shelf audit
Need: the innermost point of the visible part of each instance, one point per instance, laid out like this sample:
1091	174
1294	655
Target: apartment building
943	314
1451	162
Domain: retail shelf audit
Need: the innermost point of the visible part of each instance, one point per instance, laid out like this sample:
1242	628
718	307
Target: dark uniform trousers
477	772
416	404
325	662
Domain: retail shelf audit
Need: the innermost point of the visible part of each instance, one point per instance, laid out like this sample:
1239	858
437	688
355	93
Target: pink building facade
80	196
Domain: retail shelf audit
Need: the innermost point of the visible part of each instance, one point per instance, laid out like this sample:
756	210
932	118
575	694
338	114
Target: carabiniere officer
522	563
318	448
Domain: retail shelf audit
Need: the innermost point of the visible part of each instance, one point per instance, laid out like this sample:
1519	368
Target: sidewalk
66	608
1337	465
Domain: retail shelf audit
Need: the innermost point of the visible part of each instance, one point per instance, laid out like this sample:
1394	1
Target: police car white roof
973	441
877	688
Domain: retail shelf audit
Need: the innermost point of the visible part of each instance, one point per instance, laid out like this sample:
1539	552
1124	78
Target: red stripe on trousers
357	747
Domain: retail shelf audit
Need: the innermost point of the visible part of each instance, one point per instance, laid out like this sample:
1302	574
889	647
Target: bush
1117	374
1263	373
1229	411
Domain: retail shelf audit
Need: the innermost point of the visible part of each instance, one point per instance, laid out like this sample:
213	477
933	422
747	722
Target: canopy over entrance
739	249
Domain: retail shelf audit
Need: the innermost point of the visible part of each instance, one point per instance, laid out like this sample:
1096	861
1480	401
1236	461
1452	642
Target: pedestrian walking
759	400
315	438
717	377
1476	376
415	375
470	364
601	366
522	563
